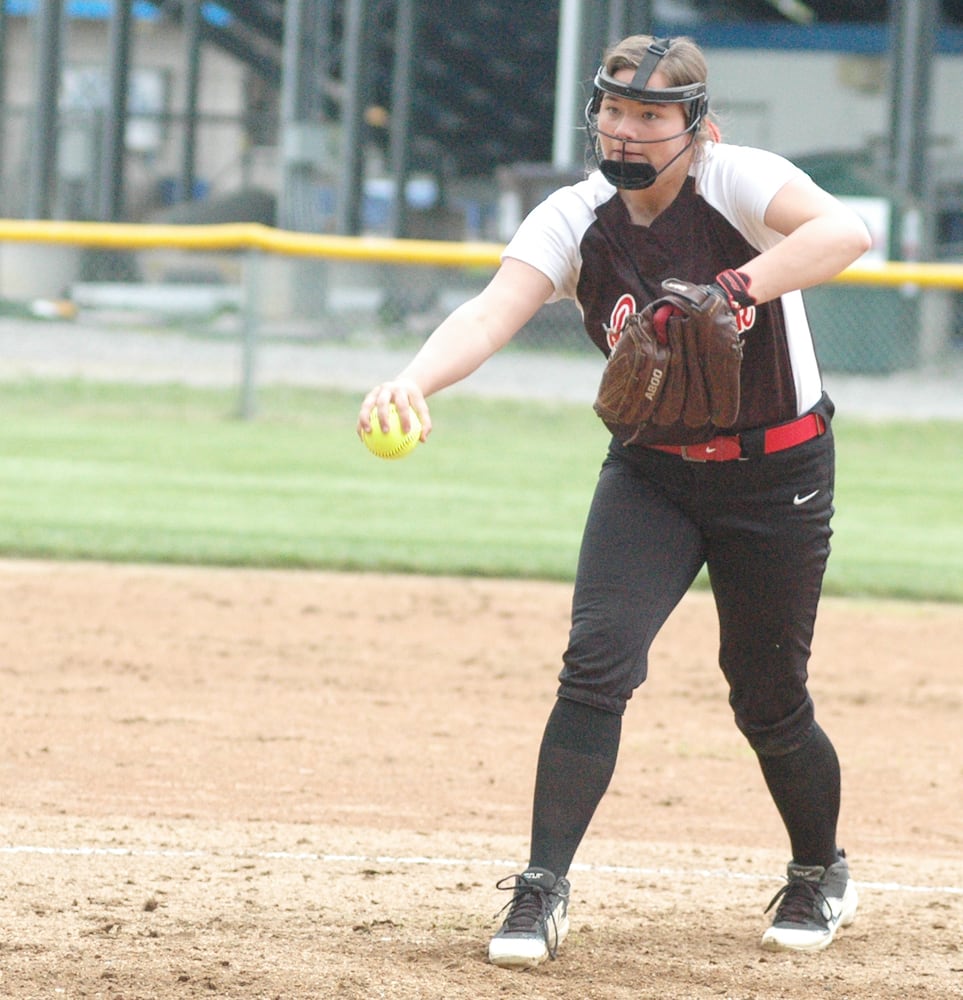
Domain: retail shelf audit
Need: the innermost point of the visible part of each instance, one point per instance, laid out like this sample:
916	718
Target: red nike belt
750	444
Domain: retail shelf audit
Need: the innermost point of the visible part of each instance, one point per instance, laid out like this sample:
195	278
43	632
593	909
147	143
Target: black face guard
634	176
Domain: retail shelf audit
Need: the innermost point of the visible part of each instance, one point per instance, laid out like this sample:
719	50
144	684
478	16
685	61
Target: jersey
582	239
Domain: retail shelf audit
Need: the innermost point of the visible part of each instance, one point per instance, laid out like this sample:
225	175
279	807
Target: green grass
899	510
167	474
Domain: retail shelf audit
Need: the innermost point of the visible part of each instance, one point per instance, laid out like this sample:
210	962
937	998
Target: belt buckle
692	458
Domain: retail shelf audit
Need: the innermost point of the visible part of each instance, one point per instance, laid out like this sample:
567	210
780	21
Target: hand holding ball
393	443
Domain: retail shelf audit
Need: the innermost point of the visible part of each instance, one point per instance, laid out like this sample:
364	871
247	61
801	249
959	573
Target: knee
594	695
600	670
782	737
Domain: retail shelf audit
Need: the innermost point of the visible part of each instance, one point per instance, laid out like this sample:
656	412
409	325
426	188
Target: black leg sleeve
575	764
805	785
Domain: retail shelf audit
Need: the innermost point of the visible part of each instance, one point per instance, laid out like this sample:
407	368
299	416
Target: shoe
813	904
537	921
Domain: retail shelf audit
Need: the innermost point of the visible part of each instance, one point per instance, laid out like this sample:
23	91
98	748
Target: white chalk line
443	862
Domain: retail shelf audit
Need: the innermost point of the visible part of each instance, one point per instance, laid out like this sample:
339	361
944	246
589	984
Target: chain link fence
194	315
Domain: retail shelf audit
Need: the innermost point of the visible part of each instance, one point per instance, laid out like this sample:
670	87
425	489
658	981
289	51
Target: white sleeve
550	236
740	182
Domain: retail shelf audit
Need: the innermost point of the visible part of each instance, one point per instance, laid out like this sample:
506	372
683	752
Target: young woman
752	502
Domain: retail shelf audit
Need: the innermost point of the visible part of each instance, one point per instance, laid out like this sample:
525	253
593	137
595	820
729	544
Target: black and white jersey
582	239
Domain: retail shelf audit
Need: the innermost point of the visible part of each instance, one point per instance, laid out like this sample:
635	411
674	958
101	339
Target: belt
750	444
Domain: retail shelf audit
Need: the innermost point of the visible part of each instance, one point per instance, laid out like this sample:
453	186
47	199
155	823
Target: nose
625	129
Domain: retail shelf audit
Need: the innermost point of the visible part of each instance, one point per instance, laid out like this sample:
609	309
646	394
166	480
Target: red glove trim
735	284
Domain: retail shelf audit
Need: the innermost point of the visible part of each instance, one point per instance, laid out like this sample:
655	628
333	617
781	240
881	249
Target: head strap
657	48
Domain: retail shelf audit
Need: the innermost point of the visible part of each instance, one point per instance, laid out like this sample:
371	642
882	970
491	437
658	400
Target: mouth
628	156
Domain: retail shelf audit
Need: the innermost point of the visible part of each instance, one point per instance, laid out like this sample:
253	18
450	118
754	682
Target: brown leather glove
680	356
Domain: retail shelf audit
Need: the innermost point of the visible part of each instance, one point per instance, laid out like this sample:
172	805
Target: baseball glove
678	358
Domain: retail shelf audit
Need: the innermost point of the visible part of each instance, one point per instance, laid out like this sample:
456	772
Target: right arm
460	344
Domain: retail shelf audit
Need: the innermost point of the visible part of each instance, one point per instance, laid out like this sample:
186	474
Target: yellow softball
395	443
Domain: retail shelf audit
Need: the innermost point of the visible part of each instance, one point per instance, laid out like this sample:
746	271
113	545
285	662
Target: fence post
250	333
935	325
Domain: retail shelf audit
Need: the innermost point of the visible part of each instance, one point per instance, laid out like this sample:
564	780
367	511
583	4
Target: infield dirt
257	784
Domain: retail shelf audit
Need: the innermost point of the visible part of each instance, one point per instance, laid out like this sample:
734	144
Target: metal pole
303	138
914	36
595	24
192	48
250	334
351	186
3	99
583	32
292	153
115	121
914	25
406	32
43	146
292	47
566	140
617	21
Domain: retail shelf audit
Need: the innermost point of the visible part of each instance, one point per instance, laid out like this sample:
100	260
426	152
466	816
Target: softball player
752	503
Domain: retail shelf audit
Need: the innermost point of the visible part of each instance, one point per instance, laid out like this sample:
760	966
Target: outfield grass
167	474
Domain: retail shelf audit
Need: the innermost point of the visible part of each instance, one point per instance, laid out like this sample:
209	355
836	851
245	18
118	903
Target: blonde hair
683	63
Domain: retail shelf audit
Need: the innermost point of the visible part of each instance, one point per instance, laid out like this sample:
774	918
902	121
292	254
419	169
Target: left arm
823	237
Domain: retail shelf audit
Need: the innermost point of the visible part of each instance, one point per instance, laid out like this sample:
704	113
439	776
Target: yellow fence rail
250	236
438	253
873	318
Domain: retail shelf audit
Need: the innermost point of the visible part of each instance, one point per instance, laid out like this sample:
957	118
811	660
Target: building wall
794	102
800	102
156	51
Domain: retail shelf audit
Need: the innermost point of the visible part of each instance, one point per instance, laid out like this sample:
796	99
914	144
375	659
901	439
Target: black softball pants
762	529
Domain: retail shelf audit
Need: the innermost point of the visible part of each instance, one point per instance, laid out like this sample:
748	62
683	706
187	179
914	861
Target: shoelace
800	901
530	907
